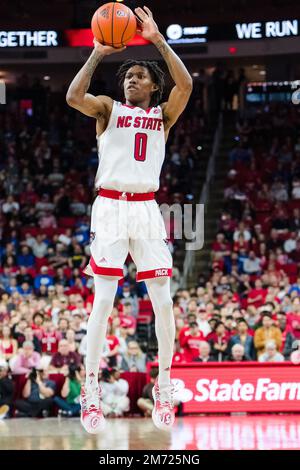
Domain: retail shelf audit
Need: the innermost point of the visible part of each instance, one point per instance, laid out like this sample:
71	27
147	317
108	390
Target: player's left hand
147	28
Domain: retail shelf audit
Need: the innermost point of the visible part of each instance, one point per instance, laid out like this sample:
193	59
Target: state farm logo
120	13
262	390
105	13
161	272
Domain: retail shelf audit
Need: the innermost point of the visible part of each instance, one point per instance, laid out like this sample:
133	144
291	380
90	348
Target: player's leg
163	414
91	414
108	254
154	265
159	293
105	291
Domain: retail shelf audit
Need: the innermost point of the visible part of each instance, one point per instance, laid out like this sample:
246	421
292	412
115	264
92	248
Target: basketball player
131	146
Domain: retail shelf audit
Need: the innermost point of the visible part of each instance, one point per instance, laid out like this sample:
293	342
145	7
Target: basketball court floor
190	433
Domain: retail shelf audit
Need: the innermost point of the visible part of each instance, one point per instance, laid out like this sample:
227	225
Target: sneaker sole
96	429
157	423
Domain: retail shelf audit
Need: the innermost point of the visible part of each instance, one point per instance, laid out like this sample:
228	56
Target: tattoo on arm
92	64
162	47
90	68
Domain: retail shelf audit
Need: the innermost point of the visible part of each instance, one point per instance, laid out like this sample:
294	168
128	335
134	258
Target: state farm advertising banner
227	387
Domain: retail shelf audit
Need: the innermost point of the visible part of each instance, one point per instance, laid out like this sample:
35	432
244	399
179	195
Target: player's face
138	85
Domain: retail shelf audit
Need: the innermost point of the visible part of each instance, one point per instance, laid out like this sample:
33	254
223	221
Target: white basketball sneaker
163	414
92	418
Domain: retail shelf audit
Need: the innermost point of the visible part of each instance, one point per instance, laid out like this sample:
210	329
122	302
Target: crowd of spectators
47	169
255	261
248	310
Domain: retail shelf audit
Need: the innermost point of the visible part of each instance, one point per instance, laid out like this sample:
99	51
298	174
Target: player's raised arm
77	96
180	94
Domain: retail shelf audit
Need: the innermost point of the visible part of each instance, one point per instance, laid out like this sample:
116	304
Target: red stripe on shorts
123	196
160	272
105	271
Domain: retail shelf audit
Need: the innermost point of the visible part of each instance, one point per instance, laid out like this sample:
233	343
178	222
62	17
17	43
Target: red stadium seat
19	383
291	270
33	231
59	380
145	314
39	262
66	222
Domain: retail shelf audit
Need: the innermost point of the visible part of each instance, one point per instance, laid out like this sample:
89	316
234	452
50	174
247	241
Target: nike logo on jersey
153	124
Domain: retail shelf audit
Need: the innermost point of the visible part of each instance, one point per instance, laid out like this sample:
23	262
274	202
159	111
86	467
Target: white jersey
131	150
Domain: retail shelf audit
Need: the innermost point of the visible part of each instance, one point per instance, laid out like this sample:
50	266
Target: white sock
159	293
105	291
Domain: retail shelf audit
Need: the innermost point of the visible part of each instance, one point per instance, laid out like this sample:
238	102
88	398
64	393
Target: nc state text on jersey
153	124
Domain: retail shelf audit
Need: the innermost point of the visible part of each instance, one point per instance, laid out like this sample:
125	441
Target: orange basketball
114	24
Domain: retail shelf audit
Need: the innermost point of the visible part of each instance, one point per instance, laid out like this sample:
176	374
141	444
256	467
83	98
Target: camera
33	374
72	371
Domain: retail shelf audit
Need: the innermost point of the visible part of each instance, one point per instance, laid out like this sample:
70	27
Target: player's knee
167	306
102	306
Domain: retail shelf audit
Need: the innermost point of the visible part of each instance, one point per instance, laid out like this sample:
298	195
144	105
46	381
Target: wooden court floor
192	433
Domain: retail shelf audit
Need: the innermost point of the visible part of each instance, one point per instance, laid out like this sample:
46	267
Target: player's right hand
106	50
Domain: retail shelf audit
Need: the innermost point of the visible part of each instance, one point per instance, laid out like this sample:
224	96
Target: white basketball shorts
119	227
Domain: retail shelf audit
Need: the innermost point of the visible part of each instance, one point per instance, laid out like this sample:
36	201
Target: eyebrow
142	72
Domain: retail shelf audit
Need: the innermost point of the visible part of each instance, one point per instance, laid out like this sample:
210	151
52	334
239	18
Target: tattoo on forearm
84	77
162	47
92	64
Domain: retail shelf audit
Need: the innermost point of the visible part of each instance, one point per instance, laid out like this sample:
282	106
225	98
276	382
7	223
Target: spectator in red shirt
184	331
29	196
221	246
219	342
114	345
37	325
257	295
50	338
178	356
293	318
190	342
8	345
241	243
64	357
128	321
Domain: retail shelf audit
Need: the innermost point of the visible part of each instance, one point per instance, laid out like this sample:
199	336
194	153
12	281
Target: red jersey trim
159	272
118	272
133	107
125	196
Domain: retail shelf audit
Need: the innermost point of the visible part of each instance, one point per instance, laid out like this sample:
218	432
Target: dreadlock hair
156	73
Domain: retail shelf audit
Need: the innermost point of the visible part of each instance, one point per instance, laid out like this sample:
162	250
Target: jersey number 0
140	146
